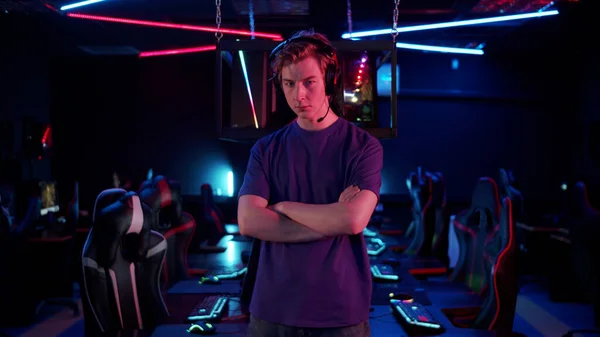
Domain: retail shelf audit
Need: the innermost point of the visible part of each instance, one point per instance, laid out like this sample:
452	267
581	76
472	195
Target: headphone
323	48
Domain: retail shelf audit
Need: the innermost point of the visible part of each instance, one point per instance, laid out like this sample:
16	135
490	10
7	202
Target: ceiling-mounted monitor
249	107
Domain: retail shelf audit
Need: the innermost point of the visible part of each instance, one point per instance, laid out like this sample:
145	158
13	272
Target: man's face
304	88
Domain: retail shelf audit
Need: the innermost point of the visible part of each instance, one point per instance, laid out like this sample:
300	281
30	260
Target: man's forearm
328	219
267	225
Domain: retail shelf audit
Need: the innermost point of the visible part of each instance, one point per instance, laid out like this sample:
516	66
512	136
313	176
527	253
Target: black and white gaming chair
122	260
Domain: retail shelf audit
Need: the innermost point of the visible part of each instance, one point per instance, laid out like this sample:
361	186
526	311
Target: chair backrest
584	232
420	194
500	258
438	218
507	189
212	215
24	225
122	259
473	228
164	198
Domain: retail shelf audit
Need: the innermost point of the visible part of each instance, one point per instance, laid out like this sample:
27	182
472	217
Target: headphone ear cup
277	84
330	80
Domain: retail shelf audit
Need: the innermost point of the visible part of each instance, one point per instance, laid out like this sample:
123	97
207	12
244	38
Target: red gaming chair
500	289
584	233
164	198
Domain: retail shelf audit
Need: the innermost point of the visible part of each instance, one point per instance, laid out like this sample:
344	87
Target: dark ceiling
284	17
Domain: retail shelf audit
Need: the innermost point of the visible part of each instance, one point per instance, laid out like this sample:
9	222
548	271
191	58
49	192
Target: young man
308	193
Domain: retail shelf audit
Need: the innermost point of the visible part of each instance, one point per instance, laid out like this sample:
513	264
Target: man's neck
315	125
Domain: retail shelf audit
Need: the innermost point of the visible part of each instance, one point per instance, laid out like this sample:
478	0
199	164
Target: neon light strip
176	51
439	49
243	62
174	25
79	4
449	24
230	183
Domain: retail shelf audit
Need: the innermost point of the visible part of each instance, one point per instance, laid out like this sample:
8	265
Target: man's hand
349	193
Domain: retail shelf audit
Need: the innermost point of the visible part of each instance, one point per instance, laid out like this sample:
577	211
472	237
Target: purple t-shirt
325	283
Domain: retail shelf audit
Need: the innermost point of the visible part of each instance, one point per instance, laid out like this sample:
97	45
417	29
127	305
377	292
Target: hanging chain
218	33
395	24
251	17
349	13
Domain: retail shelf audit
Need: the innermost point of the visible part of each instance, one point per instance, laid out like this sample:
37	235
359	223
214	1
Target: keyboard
209	309
413	316
384	272
375	246
229	274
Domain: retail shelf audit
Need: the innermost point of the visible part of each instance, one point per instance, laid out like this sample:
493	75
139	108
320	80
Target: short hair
299	50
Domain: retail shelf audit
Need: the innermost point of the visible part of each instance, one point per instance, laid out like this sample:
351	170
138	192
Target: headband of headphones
322	47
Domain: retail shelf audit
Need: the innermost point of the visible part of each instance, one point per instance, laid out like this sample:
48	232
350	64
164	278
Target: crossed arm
299	222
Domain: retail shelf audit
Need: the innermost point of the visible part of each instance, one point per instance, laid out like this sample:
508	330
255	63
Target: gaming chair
177	227
497	312
214	219
19	304
122	260
473	227
414	183
422	232
439	217
584	233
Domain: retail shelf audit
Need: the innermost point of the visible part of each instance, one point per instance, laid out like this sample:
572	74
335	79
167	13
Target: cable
379	316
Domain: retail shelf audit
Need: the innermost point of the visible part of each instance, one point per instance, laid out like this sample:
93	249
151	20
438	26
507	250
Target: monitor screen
359	87
251	107
49	197
384	80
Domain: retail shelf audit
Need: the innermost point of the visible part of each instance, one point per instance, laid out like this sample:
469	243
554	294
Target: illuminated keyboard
209	309
384	272
375	246
413	316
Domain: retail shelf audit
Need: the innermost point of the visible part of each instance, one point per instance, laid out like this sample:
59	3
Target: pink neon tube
174	25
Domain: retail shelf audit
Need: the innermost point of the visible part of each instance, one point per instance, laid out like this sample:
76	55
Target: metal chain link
251	18
349	13
395	24
218	33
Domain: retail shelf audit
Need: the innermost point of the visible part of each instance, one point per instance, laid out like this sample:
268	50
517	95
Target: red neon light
174	25
177	51
50	7
45	136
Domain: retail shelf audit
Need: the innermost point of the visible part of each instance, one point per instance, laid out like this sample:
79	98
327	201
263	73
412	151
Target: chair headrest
580	193
164	197
158	193
579	202
207	193
485	196
106	198
122	223
504	181
438	189
506	222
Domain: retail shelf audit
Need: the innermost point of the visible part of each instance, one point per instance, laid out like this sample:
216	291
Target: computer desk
382	322
416	265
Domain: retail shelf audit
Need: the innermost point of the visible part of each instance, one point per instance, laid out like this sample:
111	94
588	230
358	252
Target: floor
536	314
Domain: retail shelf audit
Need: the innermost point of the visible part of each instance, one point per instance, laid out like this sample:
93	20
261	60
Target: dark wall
492	111
509	109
